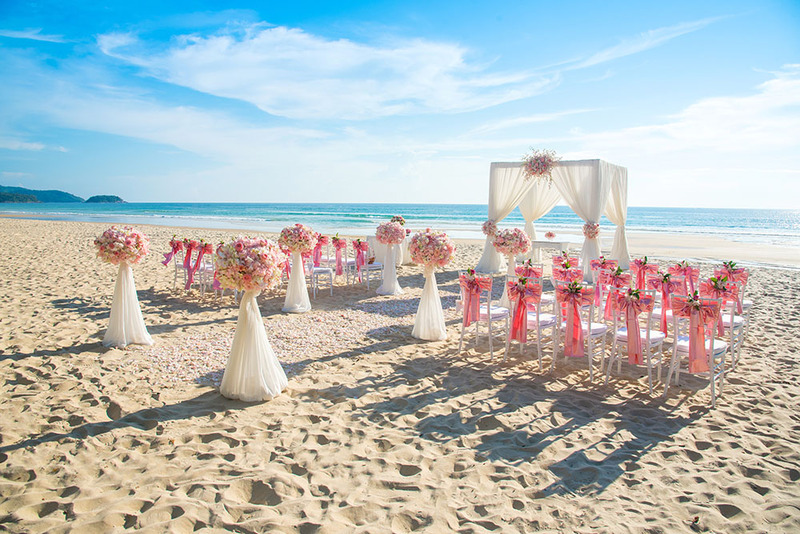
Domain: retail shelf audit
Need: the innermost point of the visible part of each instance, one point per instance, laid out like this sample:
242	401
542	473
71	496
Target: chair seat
546	320
496	312
548	298
738	321
322	270
682	345
598	329
656	336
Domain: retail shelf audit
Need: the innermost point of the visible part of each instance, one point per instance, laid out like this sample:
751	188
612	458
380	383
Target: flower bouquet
253	372
430	249
538	164
489	228
390	234
398	219
298	240
124	247
549	235
510	242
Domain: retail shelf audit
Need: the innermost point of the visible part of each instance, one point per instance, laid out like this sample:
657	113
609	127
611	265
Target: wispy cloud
292	73
34	34
16	144
522	121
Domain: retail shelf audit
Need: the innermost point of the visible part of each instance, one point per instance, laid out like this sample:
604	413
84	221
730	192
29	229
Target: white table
538	245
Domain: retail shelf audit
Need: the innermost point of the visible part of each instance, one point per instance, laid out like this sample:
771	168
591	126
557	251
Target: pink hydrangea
390	233
432	249
512	242
118	245
249	264
298	238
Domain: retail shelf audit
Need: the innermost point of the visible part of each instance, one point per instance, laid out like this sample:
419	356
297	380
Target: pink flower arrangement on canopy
512	242
539	164
390	233
591	230
431	249
118	245
247	264
489	227
298	238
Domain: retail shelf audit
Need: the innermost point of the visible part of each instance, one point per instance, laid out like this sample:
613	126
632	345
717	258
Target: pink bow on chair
523	295
667	286
528	271
574	296
688	272
202	250
716	288
598	265
614	278
176	246
571	274
471	288
339	244
700	314
361	249
187	258
631	303
737	275
317	254
640	269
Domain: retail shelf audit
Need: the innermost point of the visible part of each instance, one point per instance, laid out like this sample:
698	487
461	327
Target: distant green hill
105	199
17	197
42	196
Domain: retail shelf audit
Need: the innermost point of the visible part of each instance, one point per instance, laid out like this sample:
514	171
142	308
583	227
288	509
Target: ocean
774	227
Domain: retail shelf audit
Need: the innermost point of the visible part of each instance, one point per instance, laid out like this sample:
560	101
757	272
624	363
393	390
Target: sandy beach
377	431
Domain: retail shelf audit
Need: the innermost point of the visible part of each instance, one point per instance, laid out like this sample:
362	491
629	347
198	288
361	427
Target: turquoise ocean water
776	227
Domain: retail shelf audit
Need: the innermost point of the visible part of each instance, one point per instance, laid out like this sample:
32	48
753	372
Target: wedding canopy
590	187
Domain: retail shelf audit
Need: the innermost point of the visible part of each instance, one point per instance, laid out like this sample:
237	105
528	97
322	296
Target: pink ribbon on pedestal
640	270
667	287
573	342
613	280
632	305
471	293
523	296
361	248
177	246
699	315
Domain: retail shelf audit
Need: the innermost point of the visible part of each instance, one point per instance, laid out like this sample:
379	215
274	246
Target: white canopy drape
507	187
589	187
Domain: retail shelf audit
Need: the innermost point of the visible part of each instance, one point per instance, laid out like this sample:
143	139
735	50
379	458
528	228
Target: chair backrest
740	275
483	281
623	299
530	270
573	274
559	259
709	310
691	275
585	299
656	282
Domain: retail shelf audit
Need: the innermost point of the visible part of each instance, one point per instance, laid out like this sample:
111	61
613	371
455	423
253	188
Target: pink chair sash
727	294
317	255
361	258
177	246
734	275
528	272
573	342
561	259
598	265
471	289
187	258
573	274
631	306
700	314
640	270
667	288
689	273
522	296
339	244
613	280
202	250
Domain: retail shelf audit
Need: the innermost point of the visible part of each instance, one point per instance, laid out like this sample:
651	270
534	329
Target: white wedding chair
318	276
651	338
487	313
536	321
594	334
368	270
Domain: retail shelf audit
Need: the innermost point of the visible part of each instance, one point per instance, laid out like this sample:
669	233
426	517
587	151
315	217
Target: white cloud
522	121
291	73
32	34
16	144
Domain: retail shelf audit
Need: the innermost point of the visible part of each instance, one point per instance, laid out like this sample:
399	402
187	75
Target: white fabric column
297	300
405	255
510	271
390	285
126	326
429	321
585	190
507	187
537	202
617	213
253	372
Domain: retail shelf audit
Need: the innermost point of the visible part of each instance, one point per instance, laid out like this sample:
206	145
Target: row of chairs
546	317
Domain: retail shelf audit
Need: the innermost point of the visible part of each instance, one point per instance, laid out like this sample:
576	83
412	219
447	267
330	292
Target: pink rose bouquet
298	238
431	249
117	245
248	264
390	233
512	242
489	227
398	219
549	235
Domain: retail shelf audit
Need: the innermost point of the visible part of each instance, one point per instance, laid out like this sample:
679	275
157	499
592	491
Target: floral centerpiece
248	264
538	164
549	235
390	233
512	242
398	219
298	238
489	228
431	249
117	245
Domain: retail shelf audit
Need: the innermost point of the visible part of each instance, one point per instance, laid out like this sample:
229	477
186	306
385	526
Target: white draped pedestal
253	372
429	321
126	325
390	285
297	300
512	265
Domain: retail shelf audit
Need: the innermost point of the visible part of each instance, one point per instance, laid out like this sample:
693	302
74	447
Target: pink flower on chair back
118	245
248	264
471	287
431	249
322	240
528	270
565	260
298	238
700	314
570	274
631	303
390	233
339	245
522	294
574	296
734	273
512	242
719	288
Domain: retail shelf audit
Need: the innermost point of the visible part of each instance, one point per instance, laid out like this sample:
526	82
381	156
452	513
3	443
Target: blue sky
398	101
